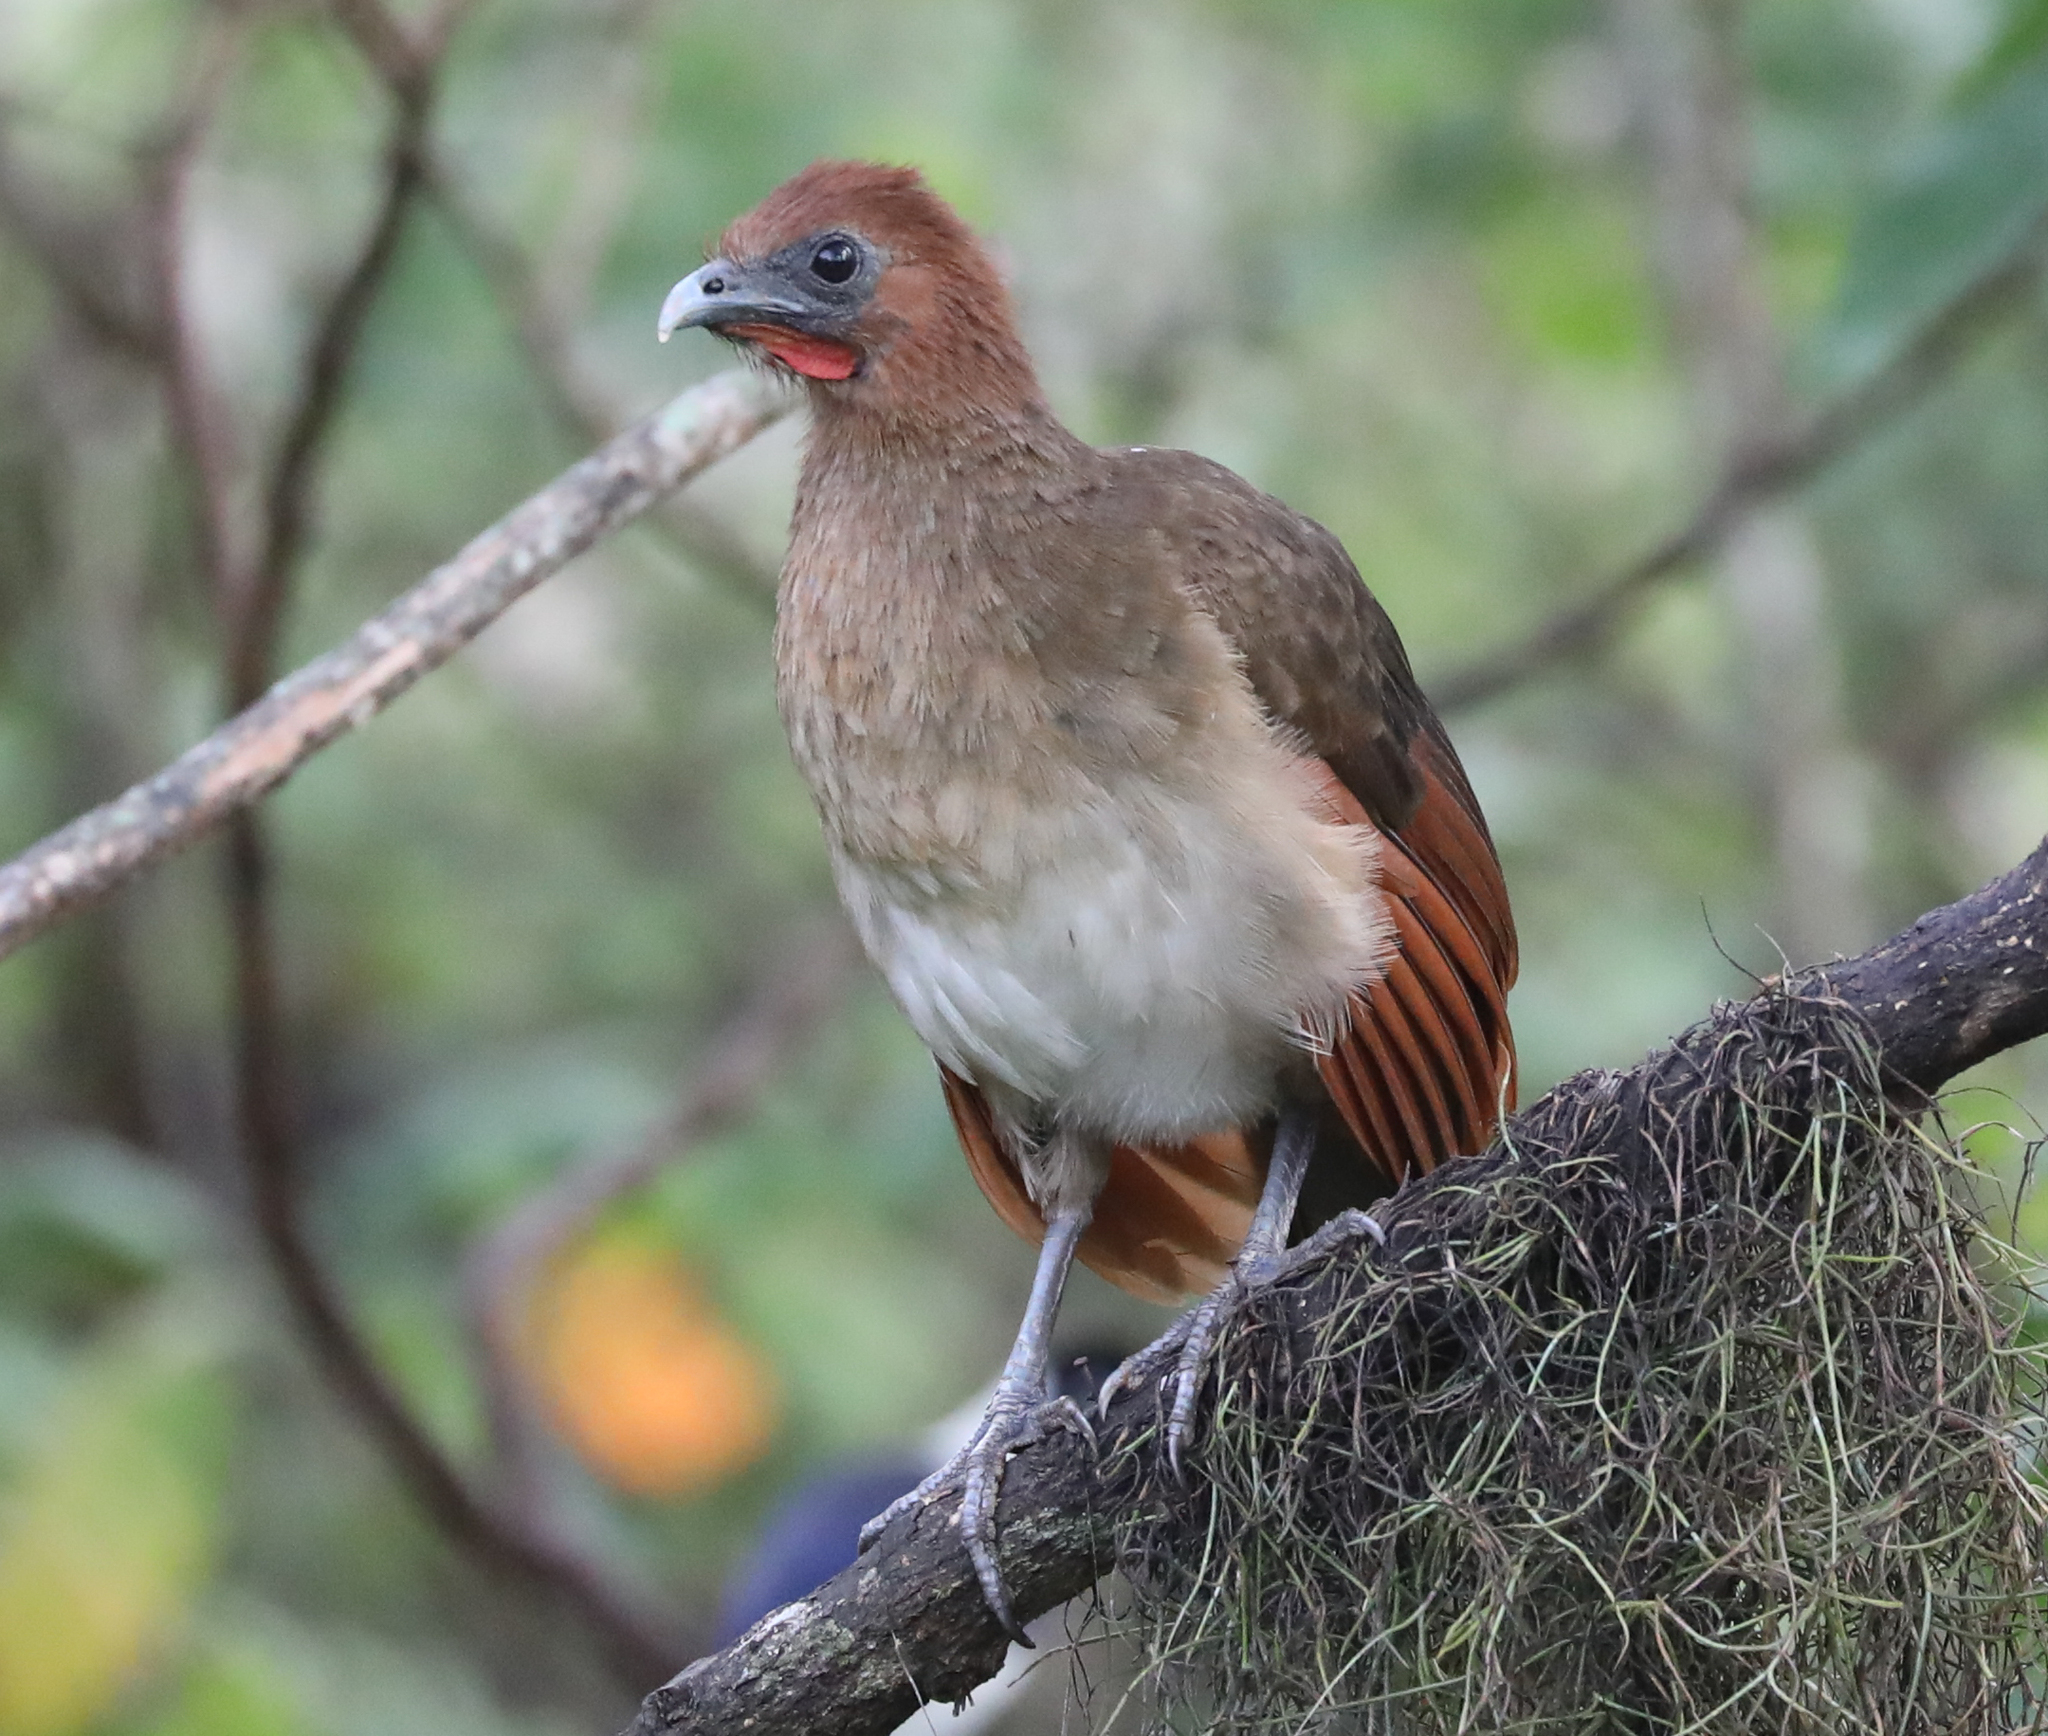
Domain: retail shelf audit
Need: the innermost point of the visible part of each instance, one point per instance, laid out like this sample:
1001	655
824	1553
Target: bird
812	1531
1127	787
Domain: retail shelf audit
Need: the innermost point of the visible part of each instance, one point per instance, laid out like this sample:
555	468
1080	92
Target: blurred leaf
2022	41
32	1372
657	1393
1561	279
107	1532
231	1690
1966	196
476	1138
85	1223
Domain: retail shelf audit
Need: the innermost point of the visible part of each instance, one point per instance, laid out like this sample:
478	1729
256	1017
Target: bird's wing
1420	1075
1428	1062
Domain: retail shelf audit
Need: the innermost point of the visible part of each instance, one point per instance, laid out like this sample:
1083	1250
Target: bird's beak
722	293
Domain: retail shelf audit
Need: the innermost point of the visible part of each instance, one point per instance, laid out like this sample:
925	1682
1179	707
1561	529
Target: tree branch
633	1639
1759	474
503	1267
198	421
250	600
577	403
539	322
257	610
906	1624
1686	68
250	755
1963	983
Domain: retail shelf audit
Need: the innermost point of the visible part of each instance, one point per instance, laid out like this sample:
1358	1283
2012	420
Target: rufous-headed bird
1126	785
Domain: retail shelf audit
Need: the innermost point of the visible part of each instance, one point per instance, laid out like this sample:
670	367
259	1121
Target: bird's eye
836	261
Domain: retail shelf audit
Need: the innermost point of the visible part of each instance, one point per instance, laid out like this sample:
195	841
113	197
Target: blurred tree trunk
99	471
1685	69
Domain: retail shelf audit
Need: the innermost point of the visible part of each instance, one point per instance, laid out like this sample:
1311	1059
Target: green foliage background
1395	260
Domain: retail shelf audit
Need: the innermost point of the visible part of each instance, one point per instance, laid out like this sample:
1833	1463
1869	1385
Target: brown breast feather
1427	1063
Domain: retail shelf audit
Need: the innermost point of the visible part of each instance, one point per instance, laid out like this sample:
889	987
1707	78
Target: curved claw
1258	1260
1201	1339
977	1525
1004	1432
1187	1369
871	1532
1121	1378
1254	1266
1067	1411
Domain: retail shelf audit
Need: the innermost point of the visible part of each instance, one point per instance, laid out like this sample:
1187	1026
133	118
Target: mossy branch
906	1624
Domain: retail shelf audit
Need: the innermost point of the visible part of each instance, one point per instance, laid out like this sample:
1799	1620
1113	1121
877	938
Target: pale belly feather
1143	981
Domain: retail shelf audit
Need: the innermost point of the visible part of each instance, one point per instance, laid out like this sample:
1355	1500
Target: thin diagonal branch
704	541
537	322
245	759
1688	75
252	605
405	57
499	1540
198	420
1923	737
96	265
1760	474
258	609
513	1529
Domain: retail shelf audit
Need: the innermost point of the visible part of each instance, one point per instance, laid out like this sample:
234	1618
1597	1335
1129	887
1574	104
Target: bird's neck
916	618
928	439
917	527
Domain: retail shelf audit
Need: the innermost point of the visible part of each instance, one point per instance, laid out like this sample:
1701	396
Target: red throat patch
820	358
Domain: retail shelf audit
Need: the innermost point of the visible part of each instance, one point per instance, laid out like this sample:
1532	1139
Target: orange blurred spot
654	1391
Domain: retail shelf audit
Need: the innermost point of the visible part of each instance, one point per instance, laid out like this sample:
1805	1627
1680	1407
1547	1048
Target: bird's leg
1294	1143
1017	1415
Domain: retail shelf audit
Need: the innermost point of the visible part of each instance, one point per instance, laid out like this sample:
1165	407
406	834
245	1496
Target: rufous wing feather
1421	1073
1168	1221
1427	1064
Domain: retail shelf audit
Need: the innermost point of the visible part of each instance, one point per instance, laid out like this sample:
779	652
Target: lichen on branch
1695	1409
1799	1114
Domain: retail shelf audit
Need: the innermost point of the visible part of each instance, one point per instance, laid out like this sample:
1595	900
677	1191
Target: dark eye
835	261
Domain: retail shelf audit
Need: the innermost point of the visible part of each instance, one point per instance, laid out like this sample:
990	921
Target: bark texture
906	1625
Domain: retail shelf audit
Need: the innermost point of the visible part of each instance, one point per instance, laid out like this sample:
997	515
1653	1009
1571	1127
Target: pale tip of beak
678	305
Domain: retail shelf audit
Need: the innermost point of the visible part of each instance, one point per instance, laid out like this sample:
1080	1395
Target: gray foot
1012	1422
871	1532
1005	1430
1253	1267
1209	1313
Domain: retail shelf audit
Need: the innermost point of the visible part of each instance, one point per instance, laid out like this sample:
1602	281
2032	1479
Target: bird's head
862	279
